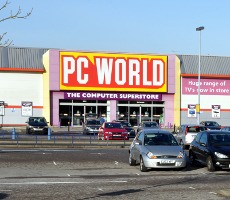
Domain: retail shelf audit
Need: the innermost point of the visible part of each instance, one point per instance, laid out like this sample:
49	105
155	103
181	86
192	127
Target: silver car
156	148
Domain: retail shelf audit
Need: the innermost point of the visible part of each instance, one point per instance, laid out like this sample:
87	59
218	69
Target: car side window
197	139
203	138
140	137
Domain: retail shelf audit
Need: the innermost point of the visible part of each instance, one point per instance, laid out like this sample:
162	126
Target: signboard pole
2	110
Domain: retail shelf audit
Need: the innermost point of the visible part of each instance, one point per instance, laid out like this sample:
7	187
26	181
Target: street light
198	105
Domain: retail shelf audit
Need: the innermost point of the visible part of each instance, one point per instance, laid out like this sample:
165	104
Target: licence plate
167	161
116	135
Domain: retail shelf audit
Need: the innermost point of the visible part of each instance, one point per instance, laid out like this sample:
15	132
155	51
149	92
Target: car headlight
181	154
108	132
151	155
220	155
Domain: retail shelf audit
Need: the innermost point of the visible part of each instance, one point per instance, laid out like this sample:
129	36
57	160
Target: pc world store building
113	86
67	86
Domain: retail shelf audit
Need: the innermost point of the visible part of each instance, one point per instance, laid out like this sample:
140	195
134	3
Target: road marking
54	163
212	193
75	182
192	188
68	174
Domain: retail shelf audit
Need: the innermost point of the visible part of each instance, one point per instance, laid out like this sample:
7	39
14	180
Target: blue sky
133	26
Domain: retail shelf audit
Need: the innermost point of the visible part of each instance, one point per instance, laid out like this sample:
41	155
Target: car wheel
192	158
132	162
210	165
142	165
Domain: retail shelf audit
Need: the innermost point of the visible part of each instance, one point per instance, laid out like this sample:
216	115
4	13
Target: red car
112	131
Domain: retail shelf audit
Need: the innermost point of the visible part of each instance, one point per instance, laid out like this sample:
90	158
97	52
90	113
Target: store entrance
137	112
72	113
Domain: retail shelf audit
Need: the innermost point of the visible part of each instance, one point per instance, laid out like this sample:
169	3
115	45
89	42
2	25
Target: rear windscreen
196	129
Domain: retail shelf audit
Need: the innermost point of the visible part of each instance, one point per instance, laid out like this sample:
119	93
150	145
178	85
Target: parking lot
100	174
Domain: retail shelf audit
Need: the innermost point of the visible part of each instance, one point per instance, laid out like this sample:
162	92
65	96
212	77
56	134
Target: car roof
209	121
36	117
155	130
217	131
149	121
192	125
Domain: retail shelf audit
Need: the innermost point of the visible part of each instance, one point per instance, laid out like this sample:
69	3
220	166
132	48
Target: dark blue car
211	125
211	148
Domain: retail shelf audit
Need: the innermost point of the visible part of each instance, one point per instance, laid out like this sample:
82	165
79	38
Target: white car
156	148
187	132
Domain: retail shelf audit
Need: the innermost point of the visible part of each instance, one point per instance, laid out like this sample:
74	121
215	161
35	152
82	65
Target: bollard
13	134
49	133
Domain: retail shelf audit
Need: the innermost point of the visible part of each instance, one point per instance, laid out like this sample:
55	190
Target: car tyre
132	162
28	131
143	168
210	164
192	158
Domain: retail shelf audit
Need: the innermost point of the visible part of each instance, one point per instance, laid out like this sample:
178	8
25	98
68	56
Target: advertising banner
2	108
27	108
215	111
191	110
207	86
113	96
113	72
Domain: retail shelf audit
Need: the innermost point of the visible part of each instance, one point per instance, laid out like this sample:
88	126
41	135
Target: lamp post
198	105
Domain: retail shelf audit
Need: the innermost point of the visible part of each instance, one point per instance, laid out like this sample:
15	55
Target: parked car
187	132
128	127
211	148
156	148
91	126
147	125
37	125
112	131
211	125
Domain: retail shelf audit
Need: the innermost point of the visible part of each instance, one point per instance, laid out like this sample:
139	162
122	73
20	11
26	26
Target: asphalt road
84	174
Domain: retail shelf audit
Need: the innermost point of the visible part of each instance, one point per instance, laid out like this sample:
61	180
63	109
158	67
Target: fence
14	139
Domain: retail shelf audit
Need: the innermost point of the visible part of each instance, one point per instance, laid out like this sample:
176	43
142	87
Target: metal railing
57	140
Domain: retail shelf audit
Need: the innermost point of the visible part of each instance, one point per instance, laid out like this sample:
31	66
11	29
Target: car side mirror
203	144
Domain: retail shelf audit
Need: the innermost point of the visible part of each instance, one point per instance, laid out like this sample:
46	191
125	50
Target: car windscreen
196	129
160	139
37	121
113	125
150	124
211	124
219	139
93	122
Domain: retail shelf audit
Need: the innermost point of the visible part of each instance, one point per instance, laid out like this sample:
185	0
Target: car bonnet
221	149
164	150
